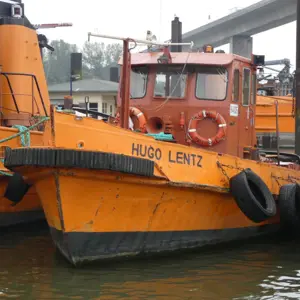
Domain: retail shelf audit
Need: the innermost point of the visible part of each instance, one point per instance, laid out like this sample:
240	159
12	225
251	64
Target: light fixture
208	49
16	11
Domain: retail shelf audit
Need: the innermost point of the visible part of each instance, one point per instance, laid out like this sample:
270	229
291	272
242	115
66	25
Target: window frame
250	86
93	108
196	81
253	88
233	99
147	79
185	72
105	108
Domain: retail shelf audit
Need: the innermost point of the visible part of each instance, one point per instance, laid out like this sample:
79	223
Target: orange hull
24	96
123	207
131	215
30	208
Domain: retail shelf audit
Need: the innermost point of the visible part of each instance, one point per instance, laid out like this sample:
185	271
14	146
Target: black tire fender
16	188
252	196
289	205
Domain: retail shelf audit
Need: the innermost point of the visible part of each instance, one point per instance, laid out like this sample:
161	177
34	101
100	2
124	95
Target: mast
176	35
297	108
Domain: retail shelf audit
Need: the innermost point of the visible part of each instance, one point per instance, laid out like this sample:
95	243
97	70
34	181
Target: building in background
101	94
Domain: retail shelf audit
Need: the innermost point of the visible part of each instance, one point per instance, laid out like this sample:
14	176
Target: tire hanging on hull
252	196
16	188
289	206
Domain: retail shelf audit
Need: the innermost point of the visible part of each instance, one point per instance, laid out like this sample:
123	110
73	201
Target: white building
101	94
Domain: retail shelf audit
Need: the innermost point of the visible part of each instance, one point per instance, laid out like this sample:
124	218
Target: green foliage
57	63
95	58
113	53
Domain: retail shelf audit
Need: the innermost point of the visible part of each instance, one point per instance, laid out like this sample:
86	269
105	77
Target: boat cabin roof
220	59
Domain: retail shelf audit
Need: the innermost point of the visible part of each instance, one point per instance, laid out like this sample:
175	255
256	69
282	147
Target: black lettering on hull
153	153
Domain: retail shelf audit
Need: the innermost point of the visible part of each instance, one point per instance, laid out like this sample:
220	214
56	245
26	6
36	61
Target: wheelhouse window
170	81
254	88
246	87
138	81
236	86
211	83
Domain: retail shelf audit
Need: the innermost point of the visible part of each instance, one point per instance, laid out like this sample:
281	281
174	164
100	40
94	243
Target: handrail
6	74
12	92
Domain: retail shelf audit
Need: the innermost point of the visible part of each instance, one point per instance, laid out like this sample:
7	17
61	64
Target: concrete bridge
237	28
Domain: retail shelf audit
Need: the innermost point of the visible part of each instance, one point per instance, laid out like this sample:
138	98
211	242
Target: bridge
237	28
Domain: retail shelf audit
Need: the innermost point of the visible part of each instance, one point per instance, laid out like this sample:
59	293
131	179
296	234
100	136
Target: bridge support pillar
241	45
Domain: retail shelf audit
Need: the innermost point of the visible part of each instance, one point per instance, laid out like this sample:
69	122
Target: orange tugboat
170	182
24	105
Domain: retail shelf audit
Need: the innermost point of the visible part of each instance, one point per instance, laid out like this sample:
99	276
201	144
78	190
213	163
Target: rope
6	174
3	172
25	130
25	138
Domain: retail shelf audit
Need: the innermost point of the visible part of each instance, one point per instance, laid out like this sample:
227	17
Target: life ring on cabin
289	206
134	112
207	142
252	196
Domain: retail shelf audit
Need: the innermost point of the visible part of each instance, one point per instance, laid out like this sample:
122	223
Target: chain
229	167
220	166
276	179
289	179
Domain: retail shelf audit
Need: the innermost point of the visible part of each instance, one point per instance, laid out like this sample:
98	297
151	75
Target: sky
132	18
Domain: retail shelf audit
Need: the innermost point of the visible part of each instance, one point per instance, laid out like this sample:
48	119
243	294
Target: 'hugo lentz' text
177	157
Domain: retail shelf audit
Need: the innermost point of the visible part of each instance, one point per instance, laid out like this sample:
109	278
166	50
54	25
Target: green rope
5	173
25	139
27	129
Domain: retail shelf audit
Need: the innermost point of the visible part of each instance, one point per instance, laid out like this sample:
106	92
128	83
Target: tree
96	56
57	63
113	53
96	59
93	58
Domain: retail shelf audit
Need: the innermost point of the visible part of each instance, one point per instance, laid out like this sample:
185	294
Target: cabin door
245	130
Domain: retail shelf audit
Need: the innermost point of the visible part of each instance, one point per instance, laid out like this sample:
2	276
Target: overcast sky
132	18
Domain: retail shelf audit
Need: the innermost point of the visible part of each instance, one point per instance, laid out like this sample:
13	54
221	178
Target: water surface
31	268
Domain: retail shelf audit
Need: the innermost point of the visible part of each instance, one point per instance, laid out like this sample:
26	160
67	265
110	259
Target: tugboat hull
111	245
99	215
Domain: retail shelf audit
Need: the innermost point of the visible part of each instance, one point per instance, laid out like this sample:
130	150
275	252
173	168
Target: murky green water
30	268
